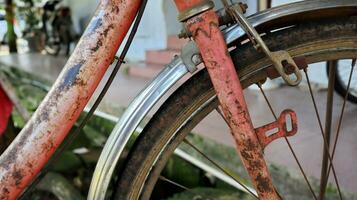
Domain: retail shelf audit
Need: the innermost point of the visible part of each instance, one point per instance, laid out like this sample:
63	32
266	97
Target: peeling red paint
60	109
207	34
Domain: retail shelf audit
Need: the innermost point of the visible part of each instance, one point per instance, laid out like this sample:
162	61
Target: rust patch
5	193
98	45
17	176
264	184
105	32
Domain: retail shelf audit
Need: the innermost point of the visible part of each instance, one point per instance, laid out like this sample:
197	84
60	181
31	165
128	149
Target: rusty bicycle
237	52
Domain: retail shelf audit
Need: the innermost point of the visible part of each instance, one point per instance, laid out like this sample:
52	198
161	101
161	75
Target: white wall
151	34
82	11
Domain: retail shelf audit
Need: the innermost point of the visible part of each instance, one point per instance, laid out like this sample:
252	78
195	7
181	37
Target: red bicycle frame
50	124
36	143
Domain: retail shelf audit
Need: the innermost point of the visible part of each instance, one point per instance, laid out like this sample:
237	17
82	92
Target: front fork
202	22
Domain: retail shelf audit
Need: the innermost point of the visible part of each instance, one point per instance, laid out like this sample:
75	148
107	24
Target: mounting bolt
196	59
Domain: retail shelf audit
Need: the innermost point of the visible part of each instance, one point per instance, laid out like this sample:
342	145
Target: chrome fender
174	71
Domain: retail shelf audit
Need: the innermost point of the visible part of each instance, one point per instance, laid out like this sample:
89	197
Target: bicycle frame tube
32	148
209	39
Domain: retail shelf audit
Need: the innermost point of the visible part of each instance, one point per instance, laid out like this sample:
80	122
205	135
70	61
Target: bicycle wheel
342	76
195	99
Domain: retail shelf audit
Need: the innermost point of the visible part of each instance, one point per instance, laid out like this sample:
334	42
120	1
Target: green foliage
59	186
31	14
67	161
183	172
209	194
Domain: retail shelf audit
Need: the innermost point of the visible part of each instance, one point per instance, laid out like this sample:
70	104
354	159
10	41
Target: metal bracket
191	56
285	126
276	57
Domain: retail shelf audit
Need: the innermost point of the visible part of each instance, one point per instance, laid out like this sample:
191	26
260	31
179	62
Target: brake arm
278	58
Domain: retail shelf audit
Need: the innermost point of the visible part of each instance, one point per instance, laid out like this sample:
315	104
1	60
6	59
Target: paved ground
307	143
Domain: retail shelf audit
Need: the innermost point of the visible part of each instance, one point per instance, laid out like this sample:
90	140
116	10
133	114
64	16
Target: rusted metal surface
60	109
300	62
207	34
281	128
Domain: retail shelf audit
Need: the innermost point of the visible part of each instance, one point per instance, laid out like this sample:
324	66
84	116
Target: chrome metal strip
171	74
127	124
234	32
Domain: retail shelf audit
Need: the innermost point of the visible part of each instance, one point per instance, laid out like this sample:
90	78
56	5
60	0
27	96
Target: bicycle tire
166	130
340	87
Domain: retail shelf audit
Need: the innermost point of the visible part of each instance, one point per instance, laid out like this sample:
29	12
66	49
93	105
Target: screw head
196	59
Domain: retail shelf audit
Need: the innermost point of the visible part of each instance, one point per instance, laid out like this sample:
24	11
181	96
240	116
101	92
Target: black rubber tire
340	87
140	174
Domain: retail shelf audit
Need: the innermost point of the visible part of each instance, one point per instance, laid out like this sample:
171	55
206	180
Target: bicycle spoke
289	145
326	149
185	188
219	167
328	121
341	115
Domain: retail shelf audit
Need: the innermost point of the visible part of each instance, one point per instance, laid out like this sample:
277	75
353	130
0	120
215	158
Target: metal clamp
191	56
277	57
187	14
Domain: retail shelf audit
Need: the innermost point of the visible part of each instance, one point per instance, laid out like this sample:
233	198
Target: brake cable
74	135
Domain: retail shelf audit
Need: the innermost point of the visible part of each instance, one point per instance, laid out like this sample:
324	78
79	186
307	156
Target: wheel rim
249	75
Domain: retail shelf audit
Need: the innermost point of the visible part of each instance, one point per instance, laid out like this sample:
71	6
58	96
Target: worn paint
60	109
207	34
